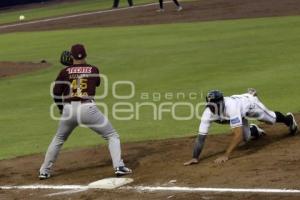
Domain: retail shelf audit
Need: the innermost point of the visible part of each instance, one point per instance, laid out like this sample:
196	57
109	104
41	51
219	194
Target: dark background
6	3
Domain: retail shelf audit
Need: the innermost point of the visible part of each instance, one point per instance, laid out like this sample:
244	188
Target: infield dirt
271	162
15	68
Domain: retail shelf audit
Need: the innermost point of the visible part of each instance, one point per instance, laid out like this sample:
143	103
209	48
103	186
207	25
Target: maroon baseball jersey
76	83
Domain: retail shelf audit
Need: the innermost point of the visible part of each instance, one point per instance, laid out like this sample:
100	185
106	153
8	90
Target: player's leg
116	3
252	131
62	134
246	130
288	120
92	117
130	2
179	8
161	5
256	132
264	114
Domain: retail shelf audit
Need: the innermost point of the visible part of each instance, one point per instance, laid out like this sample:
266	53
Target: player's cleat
252	91
293	126
121	171
256	132
160	10
44	176
179	8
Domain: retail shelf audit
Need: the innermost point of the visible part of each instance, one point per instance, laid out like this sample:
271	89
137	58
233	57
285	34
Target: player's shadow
253	146
261	143
130	160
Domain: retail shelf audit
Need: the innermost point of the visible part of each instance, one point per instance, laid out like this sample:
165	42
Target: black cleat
121	171
256	132
293	126
44	176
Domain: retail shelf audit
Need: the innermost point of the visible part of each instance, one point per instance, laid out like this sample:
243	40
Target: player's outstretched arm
197	150
236	140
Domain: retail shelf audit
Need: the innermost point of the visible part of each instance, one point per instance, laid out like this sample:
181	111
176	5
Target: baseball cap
78	51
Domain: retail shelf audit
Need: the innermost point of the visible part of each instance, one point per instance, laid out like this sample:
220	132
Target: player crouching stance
74	91
235	110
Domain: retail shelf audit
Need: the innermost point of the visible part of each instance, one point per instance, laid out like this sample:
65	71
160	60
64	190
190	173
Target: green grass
192	57
61	9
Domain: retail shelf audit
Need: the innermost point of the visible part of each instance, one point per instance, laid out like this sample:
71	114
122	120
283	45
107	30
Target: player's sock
176	3
280	118
254	132
161	4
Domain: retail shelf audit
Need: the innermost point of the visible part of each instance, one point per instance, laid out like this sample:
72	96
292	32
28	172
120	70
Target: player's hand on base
221	160
191	162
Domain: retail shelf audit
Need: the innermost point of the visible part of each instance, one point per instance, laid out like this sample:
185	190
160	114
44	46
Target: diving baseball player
74	92
235	110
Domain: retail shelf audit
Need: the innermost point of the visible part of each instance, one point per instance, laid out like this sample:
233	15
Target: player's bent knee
111	135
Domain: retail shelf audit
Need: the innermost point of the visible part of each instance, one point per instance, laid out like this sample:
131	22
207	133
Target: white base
110	183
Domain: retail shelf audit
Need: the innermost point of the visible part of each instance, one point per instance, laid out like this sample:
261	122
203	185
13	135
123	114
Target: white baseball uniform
237	110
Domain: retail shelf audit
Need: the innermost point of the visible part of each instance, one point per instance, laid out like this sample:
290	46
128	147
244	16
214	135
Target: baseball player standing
234	110
74	92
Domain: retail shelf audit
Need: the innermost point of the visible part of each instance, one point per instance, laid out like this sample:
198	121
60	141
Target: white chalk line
76	15
79	188
67	192
214	190
36	187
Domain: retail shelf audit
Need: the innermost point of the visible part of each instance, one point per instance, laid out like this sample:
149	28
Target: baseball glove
66	58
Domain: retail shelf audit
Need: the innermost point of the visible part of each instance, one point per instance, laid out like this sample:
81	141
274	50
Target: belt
81	101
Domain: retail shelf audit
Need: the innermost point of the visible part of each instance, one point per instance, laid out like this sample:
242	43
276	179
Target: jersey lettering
79	70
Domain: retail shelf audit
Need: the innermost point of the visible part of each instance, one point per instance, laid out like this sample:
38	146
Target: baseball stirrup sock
283	119
254	132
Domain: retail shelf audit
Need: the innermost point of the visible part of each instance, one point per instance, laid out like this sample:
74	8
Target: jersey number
79	85
82	84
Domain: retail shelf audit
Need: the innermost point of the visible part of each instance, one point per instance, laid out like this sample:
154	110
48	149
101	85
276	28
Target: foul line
67	192
79	188
75	15
214	190
52	187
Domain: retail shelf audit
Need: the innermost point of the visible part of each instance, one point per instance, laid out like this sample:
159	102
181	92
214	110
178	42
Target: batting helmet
214	96
215	101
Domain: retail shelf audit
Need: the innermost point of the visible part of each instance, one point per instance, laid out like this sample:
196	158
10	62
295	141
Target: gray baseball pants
87	114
